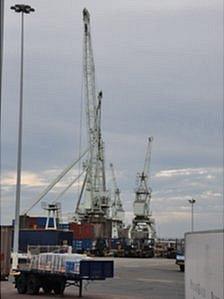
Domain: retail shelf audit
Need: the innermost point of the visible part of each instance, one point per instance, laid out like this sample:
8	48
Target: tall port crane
142	231
143	191
117	211
96	202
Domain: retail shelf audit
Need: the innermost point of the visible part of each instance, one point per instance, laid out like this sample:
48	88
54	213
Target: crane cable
55	181
69	186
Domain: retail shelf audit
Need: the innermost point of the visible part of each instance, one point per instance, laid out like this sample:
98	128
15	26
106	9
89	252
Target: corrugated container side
23	221
63	226
82	245
65	238
113	243
87	244
43	237
5	254
77	245
82	231
99	230
40	222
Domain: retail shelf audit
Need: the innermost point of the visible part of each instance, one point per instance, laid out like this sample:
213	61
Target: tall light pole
192	202
23	9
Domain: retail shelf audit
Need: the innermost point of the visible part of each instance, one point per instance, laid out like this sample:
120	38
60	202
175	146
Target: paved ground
134	279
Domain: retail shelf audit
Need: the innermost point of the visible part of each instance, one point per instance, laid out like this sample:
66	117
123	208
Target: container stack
82	231
5	253
42	237
27	222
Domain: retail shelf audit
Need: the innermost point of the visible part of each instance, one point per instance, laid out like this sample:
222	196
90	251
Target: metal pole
19	8
1	50
192	202
19	156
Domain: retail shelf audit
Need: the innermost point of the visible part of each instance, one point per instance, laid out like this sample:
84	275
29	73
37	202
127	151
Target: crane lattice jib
91	102
95	183
147	158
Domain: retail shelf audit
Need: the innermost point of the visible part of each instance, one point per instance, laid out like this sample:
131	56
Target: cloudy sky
159	64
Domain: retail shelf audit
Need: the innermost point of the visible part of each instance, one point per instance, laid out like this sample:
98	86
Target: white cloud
28	178
187	172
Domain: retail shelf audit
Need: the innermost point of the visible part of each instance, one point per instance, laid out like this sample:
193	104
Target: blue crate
72	267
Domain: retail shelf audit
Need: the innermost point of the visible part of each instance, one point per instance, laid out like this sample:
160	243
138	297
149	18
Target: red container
32	222
82	231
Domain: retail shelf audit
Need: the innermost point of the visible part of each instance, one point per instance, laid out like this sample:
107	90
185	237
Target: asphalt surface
134	279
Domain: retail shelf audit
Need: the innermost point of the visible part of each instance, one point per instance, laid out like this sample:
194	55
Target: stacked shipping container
34	222
43	237
5	254
82	231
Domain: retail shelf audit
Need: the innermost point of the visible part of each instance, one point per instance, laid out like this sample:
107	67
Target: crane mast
143	224
143	192
95	192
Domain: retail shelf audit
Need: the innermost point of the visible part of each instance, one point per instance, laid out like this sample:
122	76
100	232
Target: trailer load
53	272
57	263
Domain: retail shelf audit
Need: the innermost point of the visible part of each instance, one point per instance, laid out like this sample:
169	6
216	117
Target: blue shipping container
63	226
87	244
44	237
82	245
41	222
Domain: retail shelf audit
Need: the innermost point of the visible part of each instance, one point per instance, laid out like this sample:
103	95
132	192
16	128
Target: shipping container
81	246
41	222
82	231
63	226
27	222
114	243
103	229
23	221
6	246
43	237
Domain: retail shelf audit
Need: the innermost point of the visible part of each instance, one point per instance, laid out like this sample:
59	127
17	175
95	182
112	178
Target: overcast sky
159	64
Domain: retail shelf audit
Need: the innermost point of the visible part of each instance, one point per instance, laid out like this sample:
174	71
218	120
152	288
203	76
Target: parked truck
180	258
54	272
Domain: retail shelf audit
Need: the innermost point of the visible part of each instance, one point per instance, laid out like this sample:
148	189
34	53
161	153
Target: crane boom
91	104
116	189
148	157
95	190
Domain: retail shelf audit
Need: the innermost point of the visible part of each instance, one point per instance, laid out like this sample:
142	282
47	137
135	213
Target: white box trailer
204	267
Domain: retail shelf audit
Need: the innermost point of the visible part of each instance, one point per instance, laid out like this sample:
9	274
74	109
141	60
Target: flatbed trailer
31	280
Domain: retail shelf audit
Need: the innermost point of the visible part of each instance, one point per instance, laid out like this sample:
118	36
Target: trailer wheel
59	287
21	284
47	288
33	285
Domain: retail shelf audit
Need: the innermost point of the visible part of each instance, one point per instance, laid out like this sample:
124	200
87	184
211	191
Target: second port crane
142	231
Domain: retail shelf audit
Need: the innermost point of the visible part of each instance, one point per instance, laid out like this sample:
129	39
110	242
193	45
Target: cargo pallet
31	280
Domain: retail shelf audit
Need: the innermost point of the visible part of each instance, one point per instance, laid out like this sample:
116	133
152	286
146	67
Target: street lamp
19	8
192	202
